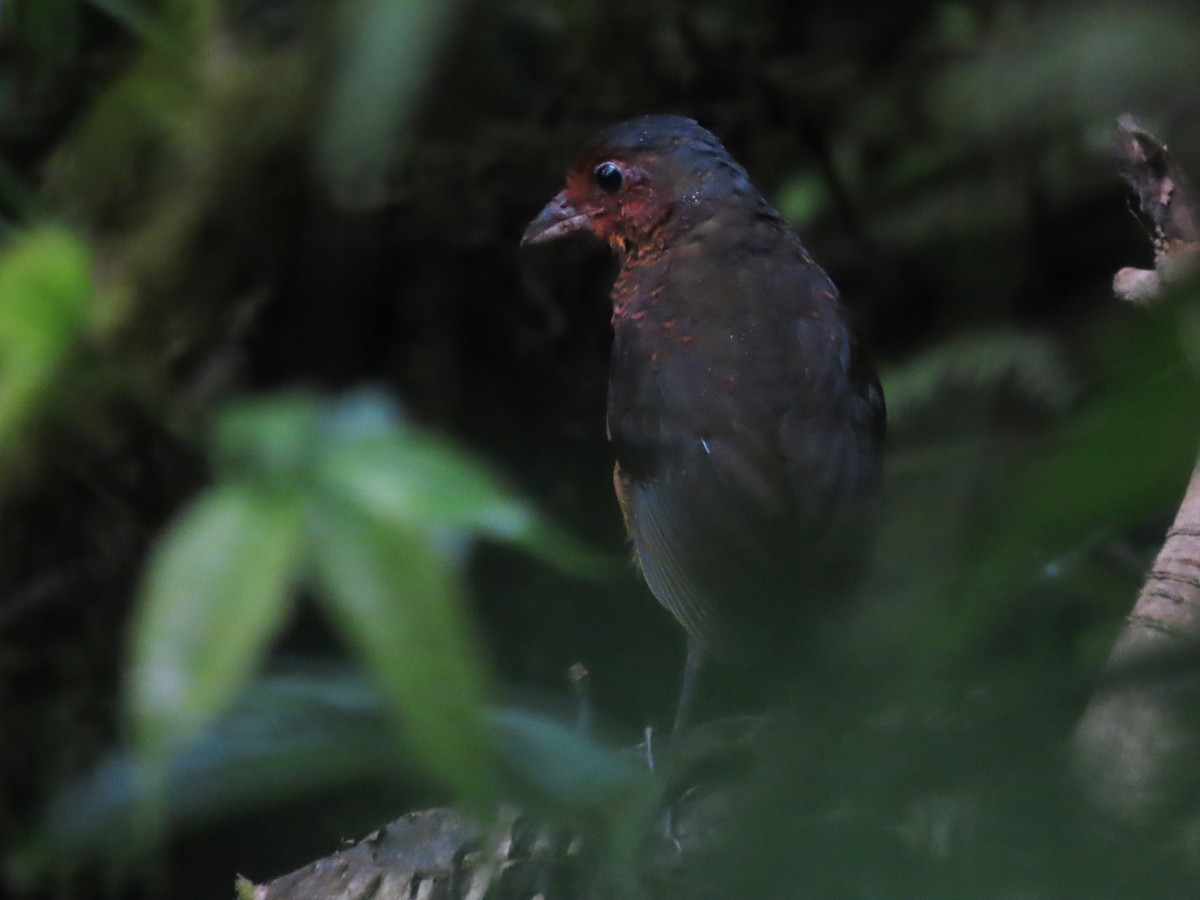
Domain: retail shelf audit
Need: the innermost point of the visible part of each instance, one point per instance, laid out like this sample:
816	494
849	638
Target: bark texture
1134	747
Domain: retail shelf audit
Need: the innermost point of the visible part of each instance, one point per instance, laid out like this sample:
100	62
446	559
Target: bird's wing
744	449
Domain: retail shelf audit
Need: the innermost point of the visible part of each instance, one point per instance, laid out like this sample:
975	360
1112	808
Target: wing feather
747	434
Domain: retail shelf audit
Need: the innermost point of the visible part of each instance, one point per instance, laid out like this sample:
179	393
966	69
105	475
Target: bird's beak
559	217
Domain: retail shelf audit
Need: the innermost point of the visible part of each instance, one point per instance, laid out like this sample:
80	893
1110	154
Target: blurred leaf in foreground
285	735
401	474
376	514
1030	365
1104	57
215	593
560	770
388	50
45	285
396	596
562	773
1117	461
289	734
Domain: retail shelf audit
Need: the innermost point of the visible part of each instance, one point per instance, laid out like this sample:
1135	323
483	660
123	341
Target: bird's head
639	183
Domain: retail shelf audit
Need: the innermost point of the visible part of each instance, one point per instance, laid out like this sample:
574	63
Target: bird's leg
691	675
578	676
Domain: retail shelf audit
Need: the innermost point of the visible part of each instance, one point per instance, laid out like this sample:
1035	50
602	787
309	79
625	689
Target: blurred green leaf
1120	459
283	736
1101	58
273	438
215	592
289	734
396	596
387	52
402	475
358	450
45	285
956	26
384	513
46	36
15	194
561	770
128	13
414	479
1030	365
802	198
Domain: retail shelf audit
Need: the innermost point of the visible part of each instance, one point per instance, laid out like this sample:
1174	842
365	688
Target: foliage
45	287
292	733
375	516
1114	459
370	102
200	201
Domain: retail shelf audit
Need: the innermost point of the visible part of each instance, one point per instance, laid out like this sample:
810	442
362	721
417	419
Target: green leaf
45	285
216	591
387	53
1104	56
404	476
560	769
561	772
289	734
129	14
802	198
272	438
418	480
1031	366
396	596
1121	459
286	735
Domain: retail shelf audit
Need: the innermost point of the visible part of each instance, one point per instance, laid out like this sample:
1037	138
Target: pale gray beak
558	218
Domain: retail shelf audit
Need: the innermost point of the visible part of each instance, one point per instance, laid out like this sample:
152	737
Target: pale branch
1168	200
446	854
435	854
1134	748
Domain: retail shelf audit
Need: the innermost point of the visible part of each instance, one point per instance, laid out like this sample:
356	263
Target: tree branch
1168	200
1135	743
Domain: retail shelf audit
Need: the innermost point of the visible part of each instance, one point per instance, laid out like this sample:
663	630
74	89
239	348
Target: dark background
948	163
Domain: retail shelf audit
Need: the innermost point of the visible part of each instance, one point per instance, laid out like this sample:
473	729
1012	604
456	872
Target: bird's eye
608	177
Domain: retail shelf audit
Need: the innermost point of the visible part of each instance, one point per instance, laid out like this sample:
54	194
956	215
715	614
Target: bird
746	420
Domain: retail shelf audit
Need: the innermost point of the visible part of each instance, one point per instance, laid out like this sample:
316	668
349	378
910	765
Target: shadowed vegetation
220	220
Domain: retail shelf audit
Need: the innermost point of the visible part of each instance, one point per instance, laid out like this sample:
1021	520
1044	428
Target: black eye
608	177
